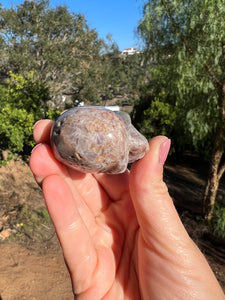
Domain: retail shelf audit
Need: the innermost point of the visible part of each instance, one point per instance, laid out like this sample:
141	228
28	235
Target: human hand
121	235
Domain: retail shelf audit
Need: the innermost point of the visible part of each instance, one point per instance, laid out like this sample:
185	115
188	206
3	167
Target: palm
102	219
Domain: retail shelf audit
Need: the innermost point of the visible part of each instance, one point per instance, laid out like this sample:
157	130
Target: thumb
154	207
164	245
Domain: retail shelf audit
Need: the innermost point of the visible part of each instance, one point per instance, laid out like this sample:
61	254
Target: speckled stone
93	139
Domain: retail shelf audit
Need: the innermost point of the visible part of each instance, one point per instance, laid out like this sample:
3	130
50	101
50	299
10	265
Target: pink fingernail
164	150
36	123
36	146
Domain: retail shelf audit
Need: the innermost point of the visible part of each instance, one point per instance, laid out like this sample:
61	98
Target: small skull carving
94	139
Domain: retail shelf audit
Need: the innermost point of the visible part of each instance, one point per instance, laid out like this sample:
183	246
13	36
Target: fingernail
36	146
63	112
164	150
36	123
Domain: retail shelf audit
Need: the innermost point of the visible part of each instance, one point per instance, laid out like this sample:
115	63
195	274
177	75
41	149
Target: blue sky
118	17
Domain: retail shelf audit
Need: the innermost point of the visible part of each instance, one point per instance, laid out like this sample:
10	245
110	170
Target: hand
120	234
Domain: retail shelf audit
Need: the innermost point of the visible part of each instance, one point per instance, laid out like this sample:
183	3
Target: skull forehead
95	139
125	117
90	121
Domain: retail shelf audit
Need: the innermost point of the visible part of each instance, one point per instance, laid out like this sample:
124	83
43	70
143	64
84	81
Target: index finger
42	130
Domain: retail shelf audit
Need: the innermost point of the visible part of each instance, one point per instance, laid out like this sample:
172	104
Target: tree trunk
215	174
216	171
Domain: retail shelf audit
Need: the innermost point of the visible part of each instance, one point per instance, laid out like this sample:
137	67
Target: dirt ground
31	261
27	274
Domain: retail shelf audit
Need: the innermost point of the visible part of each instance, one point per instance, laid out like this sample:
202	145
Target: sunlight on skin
120	234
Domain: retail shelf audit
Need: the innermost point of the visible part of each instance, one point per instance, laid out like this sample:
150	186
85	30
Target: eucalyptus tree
56	44
187	39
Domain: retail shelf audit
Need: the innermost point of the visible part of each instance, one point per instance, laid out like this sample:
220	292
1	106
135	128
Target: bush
27	93
23	102
16	127
159	118
53	114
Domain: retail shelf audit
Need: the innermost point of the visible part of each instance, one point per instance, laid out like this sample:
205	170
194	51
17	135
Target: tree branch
213	77
221	171
208	69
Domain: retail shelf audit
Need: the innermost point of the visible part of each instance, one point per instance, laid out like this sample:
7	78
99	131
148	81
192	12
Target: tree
63	52
57	45
188	38
123	74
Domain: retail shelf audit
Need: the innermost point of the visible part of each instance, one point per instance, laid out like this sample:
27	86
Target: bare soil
31	261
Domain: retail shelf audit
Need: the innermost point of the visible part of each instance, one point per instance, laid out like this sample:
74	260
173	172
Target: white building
130	51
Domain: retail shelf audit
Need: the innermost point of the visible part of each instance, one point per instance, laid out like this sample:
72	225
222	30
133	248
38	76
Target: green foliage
16	126
53	114
159	118
184	43
65	54
48	52
10	156
27	93
23	102
58	46
185	48
123	74
3	96
218	220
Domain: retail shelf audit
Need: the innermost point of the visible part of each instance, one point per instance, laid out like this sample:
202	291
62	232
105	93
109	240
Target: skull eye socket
58	127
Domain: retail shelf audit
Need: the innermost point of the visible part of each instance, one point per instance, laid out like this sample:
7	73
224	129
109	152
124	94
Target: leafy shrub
27	93
23	102
159	117
15	128
53	114
119	102
3	96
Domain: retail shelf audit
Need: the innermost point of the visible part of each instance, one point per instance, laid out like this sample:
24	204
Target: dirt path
26	274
